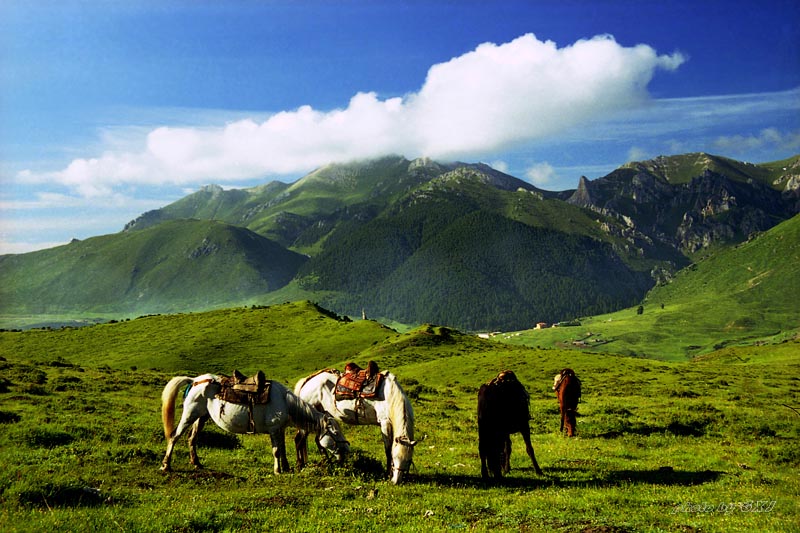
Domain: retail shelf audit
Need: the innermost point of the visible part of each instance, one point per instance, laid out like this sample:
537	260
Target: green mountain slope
751	288
174	266
476	257
301	215
741	295
485	271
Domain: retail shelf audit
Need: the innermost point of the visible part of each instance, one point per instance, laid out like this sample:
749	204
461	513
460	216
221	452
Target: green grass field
706	445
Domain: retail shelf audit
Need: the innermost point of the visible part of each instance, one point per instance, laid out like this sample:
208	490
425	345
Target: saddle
242	390
358	383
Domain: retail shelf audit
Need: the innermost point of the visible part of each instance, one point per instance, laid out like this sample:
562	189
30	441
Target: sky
111	108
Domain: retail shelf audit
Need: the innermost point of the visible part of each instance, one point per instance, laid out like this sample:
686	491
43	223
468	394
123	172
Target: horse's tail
168	396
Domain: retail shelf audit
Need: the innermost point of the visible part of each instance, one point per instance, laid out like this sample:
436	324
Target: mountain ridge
424	241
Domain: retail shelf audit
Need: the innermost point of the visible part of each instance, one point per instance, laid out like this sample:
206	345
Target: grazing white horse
390	409
283	408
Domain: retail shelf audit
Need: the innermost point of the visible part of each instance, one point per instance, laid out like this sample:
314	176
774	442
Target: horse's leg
388	440
165	467
284	460
571	422
526	436
278	440
505	466
301	447
188	418
196	429
483	452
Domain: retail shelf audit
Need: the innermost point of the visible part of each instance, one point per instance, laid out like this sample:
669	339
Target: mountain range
415	241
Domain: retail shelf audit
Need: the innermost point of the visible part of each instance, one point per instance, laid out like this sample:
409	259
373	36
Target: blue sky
108	109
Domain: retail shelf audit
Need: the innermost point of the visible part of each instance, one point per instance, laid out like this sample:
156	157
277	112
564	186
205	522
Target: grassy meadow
704	445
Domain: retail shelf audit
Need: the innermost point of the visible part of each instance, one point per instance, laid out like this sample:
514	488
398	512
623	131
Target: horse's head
402	457
557	381
332	439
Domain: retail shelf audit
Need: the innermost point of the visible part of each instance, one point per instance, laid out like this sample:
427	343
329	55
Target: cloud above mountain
491	98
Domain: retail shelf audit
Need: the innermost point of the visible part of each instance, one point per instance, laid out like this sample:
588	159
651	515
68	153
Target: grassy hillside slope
248	338
170	267
738	295
693	446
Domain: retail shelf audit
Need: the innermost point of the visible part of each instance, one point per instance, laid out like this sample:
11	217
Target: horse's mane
300	384
303	415
400	411
568	375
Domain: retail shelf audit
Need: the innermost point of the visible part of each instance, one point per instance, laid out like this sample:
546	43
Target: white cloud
500	165
637	154
768	137
541	174
682	116
485	100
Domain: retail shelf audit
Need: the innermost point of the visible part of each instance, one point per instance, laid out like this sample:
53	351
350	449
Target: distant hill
416	241
746	290
175	266
450	254
746	294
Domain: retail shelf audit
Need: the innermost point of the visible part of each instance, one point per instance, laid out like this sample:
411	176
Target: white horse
282	409
390	409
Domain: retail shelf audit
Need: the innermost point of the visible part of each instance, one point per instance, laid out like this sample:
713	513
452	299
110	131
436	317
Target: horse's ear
405	442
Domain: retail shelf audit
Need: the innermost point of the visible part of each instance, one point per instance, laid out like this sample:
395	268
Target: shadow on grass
574	477
69	494
201	475
688	428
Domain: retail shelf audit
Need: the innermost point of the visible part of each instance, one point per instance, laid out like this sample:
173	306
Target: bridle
404	441
337	437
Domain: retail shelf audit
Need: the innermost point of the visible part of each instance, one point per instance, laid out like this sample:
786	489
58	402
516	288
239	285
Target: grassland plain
706	445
